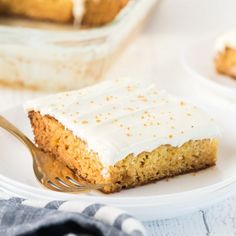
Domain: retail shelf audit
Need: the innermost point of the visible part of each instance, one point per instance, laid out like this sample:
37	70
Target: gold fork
50	172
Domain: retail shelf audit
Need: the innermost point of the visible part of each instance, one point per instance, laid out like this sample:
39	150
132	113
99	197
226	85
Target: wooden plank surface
218	220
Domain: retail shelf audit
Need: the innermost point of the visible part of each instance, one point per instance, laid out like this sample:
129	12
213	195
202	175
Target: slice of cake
86	12
124	133
225	54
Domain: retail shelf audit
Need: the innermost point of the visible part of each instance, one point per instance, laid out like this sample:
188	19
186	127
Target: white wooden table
155	55
218	220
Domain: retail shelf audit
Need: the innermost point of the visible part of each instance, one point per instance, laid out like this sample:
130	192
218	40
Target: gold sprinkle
142	98
172	127
171	118
84	122
144	124
129	108
189	114
182	103
170	136
129	88
158	123
77	113
75	121
108	98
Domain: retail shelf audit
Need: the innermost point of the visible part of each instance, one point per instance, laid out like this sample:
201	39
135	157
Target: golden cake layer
164	161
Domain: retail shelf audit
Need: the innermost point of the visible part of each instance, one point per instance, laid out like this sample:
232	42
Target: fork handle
8	126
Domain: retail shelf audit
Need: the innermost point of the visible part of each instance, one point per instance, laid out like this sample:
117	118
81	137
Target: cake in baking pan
85	12
51	57
124	133
225	54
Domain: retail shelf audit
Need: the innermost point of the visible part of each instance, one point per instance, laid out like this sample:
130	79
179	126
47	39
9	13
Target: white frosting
78	10
119	117
225	40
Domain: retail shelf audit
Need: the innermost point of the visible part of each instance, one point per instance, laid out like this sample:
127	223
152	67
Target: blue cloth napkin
20	216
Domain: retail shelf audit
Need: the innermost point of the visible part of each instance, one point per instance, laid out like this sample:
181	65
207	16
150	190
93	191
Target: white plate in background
199	61
163	199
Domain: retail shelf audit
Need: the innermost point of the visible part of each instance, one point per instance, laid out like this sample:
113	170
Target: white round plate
163	199
199	61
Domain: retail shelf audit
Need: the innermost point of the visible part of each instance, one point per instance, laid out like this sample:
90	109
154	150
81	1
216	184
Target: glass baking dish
53	57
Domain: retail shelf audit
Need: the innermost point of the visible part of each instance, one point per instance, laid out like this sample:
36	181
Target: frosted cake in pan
85	12
59	57
124	133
